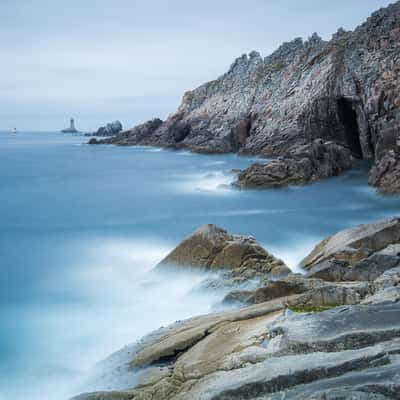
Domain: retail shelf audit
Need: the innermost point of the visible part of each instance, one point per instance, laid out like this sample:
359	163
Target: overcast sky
101	60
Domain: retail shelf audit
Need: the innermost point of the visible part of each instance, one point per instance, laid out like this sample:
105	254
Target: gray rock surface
385	174
301	165
356	244
111	129
139	134
354	349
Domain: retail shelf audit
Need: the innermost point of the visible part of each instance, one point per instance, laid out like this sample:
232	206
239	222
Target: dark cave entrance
348	118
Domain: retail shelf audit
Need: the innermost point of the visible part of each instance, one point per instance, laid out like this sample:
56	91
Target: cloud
58	53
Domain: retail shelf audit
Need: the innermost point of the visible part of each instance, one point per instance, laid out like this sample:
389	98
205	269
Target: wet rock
213	248
305	164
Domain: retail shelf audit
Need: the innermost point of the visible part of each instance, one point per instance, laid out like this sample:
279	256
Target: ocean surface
82	226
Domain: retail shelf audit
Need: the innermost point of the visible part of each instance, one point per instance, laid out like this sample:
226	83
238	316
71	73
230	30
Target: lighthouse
71	128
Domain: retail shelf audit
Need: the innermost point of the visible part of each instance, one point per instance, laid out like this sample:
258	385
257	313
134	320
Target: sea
82	227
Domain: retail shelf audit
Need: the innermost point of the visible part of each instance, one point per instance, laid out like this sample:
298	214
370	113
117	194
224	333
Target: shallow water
82	226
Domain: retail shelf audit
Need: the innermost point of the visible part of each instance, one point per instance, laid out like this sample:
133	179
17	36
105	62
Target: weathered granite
213	248
301	165
385	174
343	90
139	134
277	347
356	244
111	129
265	356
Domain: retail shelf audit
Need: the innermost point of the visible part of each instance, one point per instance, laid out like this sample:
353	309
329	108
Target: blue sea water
82	226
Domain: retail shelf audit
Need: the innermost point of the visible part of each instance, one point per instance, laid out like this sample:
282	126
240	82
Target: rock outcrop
343	90
213	248
261	352
304	338
304	164
139	134
385	174
357	254
111	129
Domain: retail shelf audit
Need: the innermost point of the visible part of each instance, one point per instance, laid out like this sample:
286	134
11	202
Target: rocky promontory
330	335
344	91
110	129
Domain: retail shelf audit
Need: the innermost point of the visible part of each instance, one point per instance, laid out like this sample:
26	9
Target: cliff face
345	90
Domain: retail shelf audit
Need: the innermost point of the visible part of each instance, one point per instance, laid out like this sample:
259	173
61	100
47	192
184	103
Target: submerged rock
213	248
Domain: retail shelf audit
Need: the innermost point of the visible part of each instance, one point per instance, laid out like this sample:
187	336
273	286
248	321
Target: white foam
119	299
213	182
294	252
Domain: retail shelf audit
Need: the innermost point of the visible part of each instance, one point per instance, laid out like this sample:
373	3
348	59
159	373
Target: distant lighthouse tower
71	128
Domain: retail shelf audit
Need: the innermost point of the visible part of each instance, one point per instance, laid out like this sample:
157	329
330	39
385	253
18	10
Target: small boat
15	131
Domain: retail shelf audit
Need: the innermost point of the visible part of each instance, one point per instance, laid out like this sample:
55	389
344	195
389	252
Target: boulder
355	244
213	248
302	165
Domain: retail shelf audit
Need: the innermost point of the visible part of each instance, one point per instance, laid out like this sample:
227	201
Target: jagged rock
139	134
356	244
343	90
385	174
213	248
302	165
111	129
386	288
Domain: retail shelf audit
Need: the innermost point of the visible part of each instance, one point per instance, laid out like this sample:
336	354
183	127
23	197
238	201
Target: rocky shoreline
332	333
343	91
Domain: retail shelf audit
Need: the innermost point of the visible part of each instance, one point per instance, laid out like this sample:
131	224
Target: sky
98	60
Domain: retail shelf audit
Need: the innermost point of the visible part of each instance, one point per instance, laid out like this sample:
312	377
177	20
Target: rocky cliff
343	90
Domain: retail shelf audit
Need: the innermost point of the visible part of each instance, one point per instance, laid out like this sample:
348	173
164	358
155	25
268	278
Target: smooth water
82	226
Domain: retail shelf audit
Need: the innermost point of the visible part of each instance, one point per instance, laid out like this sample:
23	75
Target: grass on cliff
310	308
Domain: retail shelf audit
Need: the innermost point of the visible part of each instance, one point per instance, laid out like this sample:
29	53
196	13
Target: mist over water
83	226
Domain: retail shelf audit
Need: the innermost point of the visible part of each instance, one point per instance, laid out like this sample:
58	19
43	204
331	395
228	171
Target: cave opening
348	117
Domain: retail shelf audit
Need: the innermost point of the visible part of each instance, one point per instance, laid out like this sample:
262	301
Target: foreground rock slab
264	356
